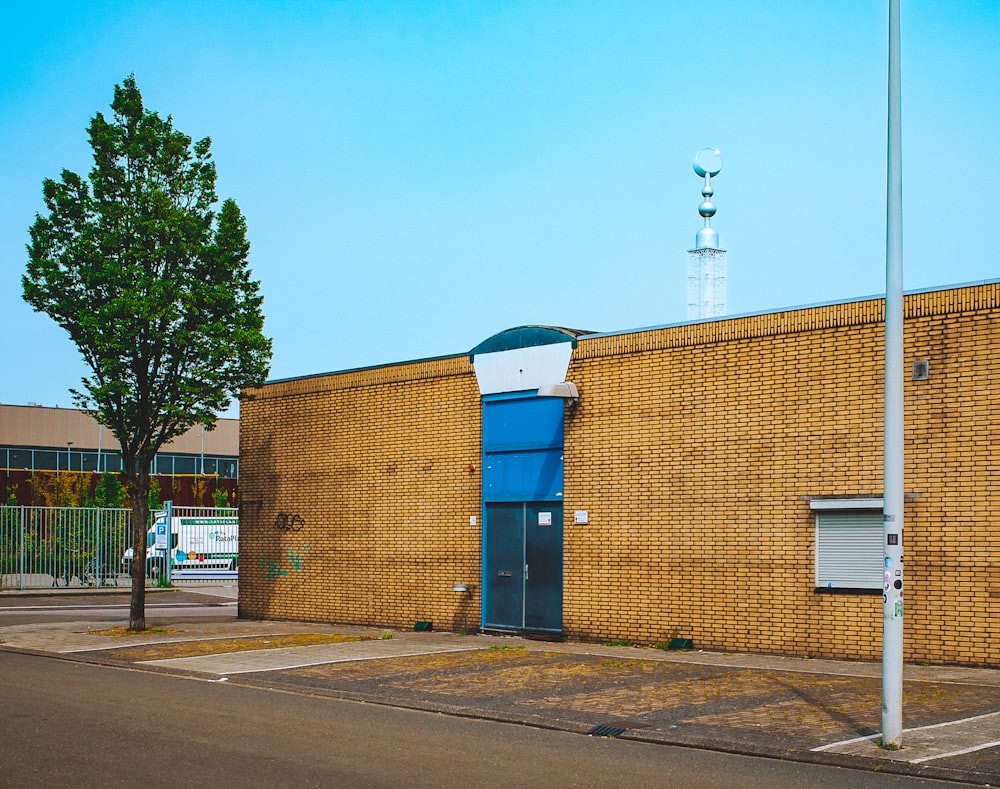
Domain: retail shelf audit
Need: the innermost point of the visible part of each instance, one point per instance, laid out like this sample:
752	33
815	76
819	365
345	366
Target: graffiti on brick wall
297	557
292	560
288	521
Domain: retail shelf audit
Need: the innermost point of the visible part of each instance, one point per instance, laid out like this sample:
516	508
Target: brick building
718	481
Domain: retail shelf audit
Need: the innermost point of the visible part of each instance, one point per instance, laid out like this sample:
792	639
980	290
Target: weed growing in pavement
507	646
621	642
386	634
120	632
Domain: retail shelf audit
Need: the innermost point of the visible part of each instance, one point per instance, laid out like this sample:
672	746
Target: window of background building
46	460
185	464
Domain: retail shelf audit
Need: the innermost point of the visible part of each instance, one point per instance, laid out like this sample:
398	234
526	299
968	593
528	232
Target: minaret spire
707	262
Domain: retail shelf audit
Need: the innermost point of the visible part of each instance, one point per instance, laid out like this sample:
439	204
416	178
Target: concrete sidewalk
808	710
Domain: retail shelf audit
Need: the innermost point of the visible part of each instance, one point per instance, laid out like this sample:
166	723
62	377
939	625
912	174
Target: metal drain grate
607	731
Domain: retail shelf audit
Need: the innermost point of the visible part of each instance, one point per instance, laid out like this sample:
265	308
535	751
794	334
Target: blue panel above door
523	476
522	448
522	423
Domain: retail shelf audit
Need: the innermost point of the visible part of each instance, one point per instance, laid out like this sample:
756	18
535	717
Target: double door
523	581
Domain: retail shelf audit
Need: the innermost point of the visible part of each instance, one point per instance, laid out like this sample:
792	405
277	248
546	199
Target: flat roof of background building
52	426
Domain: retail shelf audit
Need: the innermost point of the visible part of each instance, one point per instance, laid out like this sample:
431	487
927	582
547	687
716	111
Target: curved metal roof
527	337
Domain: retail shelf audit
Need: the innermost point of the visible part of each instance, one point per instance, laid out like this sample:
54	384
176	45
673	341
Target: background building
37	439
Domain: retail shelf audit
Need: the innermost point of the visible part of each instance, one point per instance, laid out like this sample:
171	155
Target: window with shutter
849	550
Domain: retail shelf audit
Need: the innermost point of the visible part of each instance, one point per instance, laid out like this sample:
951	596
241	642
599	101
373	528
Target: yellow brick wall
694	450
376	464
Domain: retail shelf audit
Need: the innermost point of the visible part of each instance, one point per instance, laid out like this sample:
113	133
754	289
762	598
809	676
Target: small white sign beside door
581	517
544	518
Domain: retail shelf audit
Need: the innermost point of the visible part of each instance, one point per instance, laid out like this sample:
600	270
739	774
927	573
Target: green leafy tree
153	286
154	495
108	492
220	496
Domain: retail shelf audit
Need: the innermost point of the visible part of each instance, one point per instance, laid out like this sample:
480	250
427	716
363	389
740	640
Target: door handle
525	572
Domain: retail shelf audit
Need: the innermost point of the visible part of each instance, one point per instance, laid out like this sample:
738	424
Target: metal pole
24	529
99	554
169	505
892	600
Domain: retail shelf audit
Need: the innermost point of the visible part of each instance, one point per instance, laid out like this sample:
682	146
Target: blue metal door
504	581
523	566
543	557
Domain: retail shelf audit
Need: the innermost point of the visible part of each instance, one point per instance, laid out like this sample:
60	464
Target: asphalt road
68	723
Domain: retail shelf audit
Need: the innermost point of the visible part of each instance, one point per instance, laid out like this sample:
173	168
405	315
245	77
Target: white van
199	546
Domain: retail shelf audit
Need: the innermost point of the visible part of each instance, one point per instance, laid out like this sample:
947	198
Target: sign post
169	520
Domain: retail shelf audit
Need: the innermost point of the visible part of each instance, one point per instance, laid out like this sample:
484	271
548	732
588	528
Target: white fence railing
62	546
79	546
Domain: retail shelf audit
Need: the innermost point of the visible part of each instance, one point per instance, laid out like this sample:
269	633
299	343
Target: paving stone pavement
810	710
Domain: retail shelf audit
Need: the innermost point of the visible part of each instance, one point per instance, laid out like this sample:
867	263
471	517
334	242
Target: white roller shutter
849	552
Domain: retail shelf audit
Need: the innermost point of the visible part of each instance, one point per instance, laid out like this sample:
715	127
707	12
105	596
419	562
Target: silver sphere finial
707	163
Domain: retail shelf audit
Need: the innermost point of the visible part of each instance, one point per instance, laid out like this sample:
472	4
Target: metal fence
62	546
91	547
203	544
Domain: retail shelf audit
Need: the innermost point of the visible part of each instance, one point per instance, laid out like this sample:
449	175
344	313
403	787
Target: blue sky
418	176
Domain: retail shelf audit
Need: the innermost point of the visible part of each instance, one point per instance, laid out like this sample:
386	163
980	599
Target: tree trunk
138	488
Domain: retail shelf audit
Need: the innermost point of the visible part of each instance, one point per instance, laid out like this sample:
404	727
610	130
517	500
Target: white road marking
955	753
920	743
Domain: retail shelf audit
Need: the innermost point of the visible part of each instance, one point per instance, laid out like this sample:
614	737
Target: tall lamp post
69	457
893	494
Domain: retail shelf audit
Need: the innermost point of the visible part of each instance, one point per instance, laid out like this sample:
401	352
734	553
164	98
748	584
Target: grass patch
505	647
218	646
630	663
120	632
